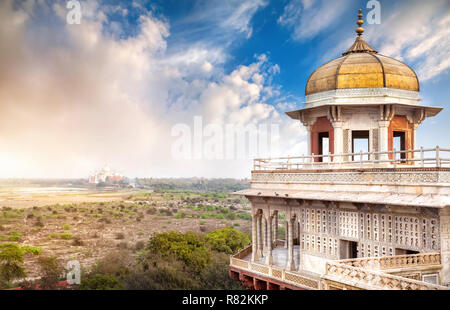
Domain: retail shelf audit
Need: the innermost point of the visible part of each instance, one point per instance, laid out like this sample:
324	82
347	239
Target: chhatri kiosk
367	208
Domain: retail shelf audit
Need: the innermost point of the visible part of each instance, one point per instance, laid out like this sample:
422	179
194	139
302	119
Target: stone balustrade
363	273
394	262
277	273
375	280
244	252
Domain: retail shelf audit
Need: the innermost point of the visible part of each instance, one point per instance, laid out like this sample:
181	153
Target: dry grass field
86	225
26	197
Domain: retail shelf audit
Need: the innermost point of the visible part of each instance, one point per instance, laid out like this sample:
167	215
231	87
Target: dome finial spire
360	46
360	22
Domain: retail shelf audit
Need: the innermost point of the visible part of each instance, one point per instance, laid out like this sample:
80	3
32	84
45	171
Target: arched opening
322	138
400	136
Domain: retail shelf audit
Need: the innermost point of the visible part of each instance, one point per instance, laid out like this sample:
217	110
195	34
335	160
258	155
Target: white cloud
240	17
416	32
74	97
207	67
308	18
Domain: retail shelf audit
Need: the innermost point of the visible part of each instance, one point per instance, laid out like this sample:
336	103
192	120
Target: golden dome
362	67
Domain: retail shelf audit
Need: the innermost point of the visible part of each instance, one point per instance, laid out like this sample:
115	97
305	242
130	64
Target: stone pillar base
269	259
291	265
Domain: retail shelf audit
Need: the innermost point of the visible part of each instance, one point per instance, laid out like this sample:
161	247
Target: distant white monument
104	175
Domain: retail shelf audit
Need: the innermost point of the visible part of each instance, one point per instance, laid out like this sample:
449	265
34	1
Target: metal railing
433	157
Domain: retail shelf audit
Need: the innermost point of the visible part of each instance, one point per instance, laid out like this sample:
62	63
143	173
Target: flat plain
85	224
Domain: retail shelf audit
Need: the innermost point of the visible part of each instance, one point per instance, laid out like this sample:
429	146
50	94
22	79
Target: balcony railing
370	279
433	157
274	272
395	262
364	273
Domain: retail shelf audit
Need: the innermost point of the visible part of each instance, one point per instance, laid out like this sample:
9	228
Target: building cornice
363	96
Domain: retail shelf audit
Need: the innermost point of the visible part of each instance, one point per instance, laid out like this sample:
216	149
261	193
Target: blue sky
111	89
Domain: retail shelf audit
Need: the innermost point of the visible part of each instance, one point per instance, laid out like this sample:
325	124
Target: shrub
31	249
120	235
139	245
180	215
151	211
39	222
14	235
101	282
161	272
113	264
188	247
105	220
231	216
11	259
51	271
65	236
94	235
166	212
123	245
9	214
227	240
77	241
215	276
244	216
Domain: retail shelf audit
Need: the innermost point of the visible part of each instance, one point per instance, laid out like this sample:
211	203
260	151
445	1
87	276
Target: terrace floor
280	255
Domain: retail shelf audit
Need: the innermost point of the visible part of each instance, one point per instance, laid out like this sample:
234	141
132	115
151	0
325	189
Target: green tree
215	276
188	247
51	272
11	259
227	240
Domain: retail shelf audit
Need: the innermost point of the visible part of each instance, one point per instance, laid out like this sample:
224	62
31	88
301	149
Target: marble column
260	235
254	238
290	261
414	145
338	141
383	138
286	236
299	244
264	235
269	257
275	230
308	130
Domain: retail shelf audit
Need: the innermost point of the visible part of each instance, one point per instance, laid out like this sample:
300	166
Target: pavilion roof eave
421	200
431	111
